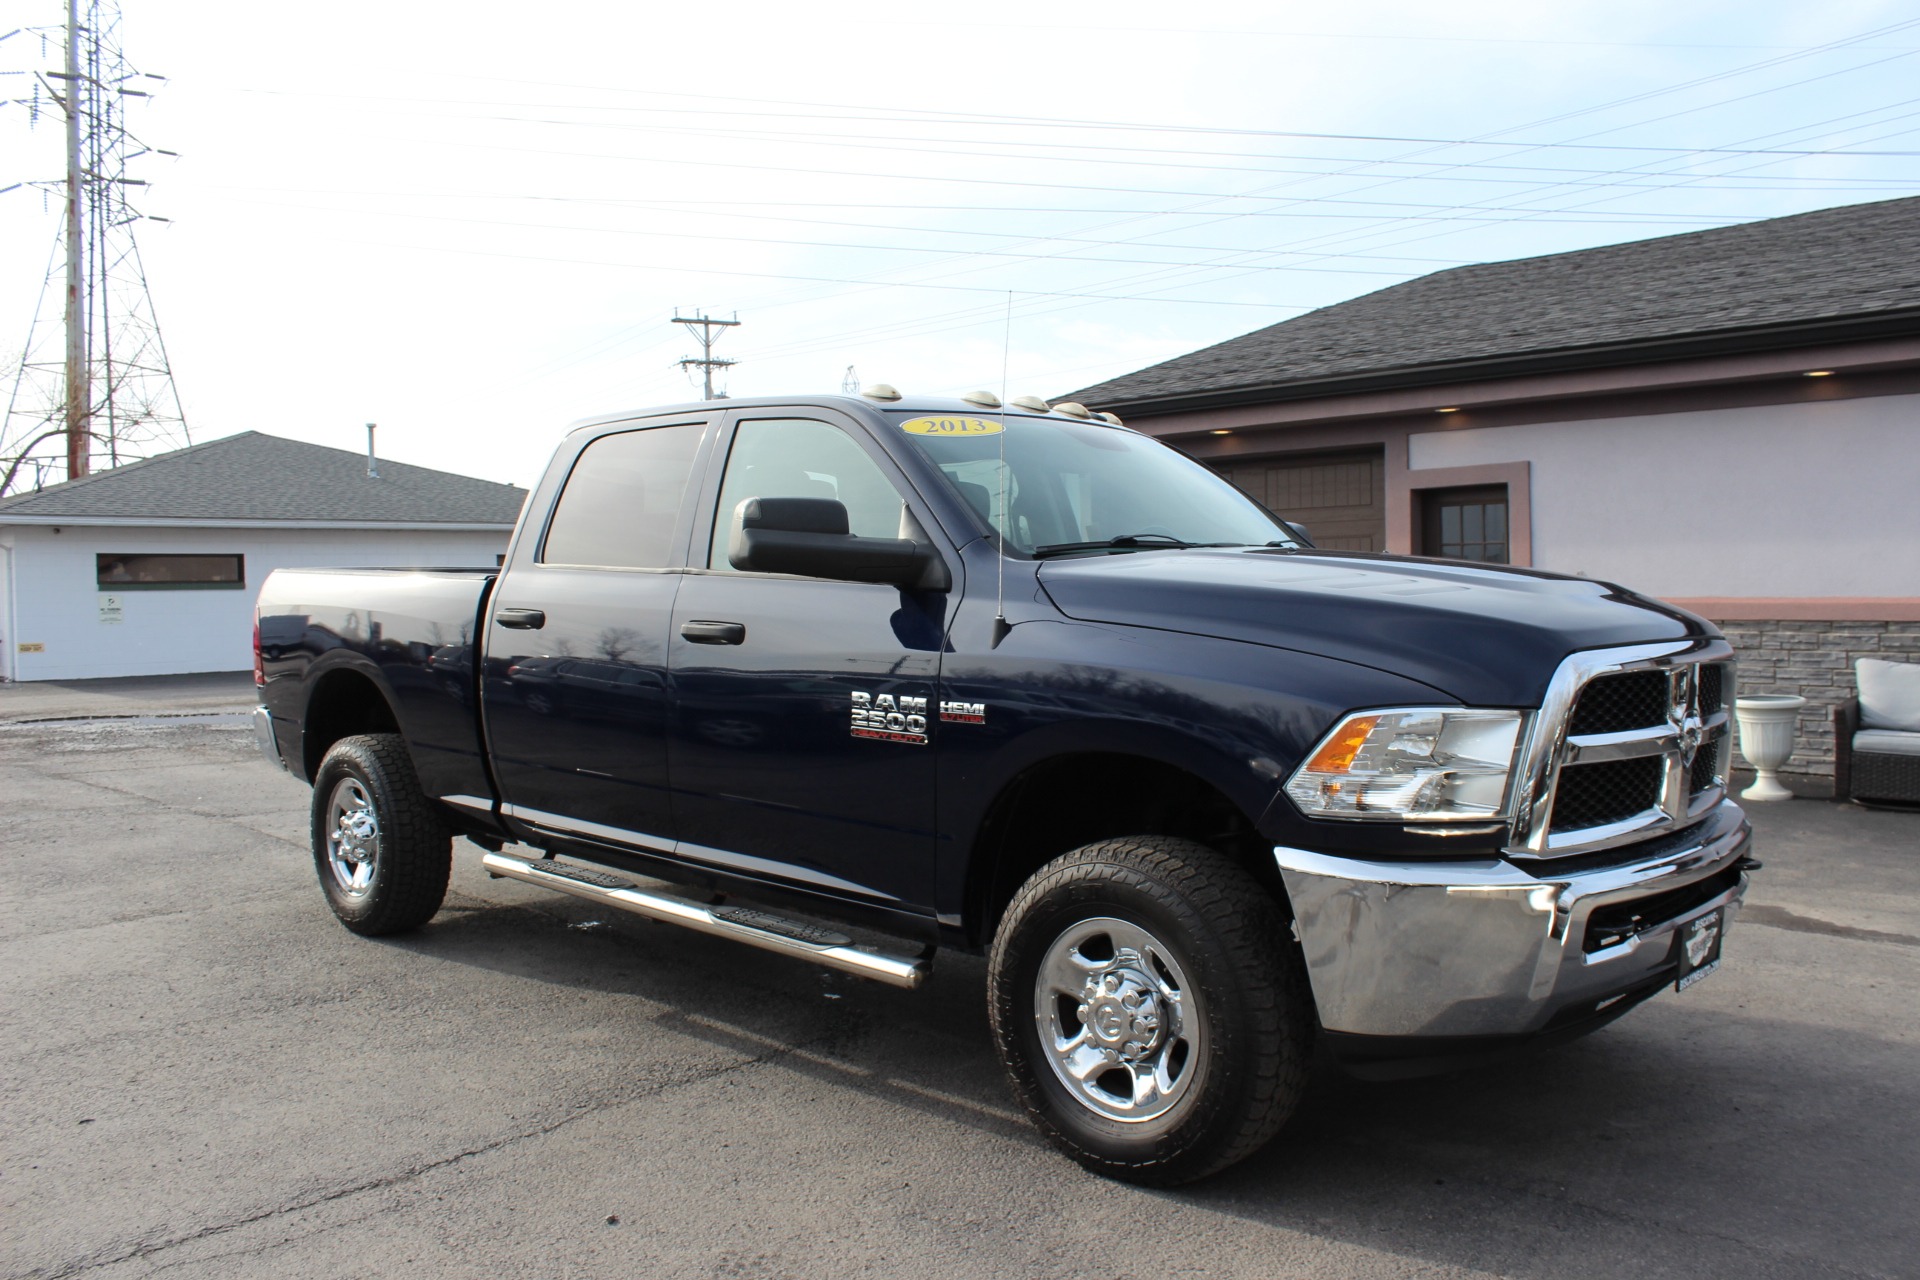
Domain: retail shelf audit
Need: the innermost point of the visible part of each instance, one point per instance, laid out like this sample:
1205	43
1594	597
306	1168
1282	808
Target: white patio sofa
1876	736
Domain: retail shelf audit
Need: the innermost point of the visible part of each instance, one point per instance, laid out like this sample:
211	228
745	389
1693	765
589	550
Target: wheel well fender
1058	804
343	701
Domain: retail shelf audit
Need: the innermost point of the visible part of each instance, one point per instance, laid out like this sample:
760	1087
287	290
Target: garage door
1341	498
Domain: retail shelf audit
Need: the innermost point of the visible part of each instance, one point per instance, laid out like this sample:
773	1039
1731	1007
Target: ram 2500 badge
1029	683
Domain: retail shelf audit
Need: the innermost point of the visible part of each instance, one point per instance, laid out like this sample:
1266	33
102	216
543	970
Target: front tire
383	854
1151	1009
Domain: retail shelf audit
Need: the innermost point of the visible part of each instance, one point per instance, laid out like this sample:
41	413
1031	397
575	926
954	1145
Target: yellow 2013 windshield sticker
951	426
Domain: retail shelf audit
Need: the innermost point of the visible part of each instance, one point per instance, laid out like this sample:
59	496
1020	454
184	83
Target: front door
802	744
576	692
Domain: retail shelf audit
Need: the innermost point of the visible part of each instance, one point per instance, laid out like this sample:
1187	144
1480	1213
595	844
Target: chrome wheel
353	837
1118	1022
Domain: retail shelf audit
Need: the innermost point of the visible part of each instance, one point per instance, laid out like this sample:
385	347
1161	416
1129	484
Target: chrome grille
1628	742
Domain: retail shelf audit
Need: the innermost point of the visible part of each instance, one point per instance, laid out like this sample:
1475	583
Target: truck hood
1487	635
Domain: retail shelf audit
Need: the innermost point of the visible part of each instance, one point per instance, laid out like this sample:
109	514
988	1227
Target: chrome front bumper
264	738
1487	948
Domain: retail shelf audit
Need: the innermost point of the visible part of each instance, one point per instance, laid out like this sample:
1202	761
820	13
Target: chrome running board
761	929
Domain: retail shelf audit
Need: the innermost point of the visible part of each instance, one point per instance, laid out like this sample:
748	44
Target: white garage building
152	568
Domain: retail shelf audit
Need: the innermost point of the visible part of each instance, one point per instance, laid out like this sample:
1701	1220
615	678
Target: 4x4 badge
887	718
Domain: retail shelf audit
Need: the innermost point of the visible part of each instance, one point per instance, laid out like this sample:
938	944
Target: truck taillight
259	667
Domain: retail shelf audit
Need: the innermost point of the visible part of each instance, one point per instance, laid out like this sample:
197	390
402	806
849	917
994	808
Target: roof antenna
1000	624
373	472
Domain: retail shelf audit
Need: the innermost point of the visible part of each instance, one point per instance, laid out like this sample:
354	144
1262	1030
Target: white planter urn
1767	722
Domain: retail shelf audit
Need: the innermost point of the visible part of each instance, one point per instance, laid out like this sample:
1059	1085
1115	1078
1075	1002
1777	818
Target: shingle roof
1855	268
260	477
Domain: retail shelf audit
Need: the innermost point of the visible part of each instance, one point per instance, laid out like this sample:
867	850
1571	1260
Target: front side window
622	500
137	571
1067	483
803	458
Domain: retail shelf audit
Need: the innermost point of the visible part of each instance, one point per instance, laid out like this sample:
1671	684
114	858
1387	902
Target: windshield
1074	483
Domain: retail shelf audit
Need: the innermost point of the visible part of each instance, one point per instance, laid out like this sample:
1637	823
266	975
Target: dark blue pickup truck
1026	682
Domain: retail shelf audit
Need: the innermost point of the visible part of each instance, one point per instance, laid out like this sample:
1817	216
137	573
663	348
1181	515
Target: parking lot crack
1781	918
401	1177
222	818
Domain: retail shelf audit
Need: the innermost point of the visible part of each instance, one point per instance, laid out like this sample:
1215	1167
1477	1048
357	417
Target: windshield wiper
1125	540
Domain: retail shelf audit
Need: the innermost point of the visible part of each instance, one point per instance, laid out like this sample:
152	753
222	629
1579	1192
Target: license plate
1700	948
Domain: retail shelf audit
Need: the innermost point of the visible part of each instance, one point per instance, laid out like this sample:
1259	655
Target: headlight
1421	764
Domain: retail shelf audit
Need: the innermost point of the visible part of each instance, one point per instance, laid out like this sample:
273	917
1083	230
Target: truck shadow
1686	1141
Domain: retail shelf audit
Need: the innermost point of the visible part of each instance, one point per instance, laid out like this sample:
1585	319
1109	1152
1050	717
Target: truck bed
410	632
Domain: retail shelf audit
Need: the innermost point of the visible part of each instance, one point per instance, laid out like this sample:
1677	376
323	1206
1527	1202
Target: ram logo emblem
887	718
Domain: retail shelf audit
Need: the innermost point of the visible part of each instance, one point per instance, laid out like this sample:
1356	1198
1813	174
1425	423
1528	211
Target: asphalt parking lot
204	1075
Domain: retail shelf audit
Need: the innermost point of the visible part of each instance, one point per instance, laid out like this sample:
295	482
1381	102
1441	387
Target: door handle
714	632
522	619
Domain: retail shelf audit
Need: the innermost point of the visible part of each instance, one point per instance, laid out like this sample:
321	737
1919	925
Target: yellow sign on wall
950	425
32	648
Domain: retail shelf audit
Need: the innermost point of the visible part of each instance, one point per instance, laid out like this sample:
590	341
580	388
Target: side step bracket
762	929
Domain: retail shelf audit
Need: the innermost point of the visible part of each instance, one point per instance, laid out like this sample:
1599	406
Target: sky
474	223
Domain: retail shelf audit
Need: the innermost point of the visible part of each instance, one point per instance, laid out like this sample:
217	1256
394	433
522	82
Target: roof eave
1884	324
164	522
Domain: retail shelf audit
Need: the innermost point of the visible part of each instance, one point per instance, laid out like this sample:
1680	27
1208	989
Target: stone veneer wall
1815	660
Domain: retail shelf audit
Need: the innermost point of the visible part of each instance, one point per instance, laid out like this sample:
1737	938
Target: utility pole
79	374
706	337
93	383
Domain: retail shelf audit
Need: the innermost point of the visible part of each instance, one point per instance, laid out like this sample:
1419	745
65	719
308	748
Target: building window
162	573
1465	524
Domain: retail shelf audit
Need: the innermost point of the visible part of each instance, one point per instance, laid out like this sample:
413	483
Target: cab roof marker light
1034	403
1114	418
1073	410
881	391
985	399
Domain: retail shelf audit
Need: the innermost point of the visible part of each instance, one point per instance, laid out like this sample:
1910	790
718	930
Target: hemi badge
963	712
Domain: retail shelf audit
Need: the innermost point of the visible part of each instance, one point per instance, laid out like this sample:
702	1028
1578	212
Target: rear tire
1151	1008
382	852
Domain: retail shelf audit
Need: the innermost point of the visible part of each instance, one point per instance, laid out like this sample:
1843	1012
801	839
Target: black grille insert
1706	765
1713	678
1592	795
1630	700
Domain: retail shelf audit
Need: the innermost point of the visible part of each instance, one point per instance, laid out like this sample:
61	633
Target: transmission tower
851	383
706	337
93	387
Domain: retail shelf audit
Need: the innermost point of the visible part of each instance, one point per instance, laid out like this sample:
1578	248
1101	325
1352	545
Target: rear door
803	740
576	695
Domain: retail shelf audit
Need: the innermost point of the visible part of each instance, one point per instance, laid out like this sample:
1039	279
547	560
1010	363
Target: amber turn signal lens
1336	753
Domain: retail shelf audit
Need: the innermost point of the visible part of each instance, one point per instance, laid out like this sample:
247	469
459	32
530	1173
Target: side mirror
809	537
1299	531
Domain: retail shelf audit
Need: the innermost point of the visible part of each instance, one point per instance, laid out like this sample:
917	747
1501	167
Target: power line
706	362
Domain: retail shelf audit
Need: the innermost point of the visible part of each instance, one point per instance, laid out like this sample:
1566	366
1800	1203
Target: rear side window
622	500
